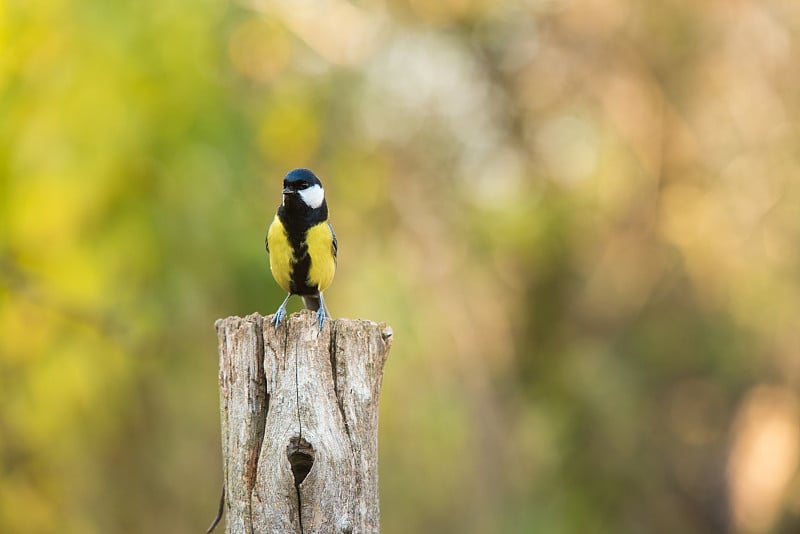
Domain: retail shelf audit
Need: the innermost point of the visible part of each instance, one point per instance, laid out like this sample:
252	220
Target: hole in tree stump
301	458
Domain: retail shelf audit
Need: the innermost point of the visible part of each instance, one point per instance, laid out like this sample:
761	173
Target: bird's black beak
287	191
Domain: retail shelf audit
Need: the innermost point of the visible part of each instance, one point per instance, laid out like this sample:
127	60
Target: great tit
301	244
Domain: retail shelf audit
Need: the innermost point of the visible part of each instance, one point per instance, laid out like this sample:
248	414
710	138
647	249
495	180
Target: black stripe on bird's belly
298	284
296	226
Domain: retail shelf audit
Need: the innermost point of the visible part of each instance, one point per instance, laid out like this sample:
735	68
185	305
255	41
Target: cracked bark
299	412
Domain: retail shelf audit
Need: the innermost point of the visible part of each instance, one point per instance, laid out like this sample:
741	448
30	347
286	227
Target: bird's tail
311	302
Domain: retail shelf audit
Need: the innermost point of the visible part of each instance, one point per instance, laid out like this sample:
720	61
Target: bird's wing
335	244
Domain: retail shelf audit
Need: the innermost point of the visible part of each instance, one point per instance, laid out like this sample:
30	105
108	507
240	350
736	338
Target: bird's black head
303	190
300	179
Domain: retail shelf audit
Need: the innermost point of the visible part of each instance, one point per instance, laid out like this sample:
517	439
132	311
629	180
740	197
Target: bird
301	244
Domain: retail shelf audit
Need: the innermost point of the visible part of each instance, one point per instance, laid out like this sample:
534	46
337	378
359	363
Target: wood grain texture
296	398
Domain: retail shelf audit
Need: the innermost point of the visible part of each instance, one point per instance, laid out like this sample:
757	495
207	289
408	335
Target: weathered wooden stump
299	410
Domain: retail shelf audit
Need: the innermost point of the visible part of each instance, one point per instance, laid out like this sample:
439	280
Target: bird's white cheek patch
313	196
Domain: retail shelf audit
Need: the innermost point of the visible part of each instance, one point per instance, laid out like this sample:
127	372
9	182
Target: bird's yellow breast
323	263
280	254
283	260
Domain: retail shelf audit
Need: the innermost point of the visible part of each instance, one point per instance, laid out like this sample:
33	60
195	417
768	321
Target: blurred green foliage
580	217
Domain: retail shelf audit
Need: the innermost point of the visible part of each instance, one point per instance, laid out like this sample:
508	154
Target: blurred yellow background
580	217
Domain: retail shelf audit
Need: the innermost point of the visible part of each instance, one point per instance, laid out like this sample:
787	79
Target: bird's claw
279	316
321	317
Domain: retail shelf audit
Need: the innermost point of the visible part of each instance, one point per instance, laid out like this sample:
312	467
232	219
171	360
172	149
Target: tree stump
299	411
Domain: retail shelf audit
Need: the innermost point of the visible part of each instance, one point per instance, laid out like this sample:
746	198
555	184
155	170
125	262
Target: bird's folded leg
322	312
281	313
